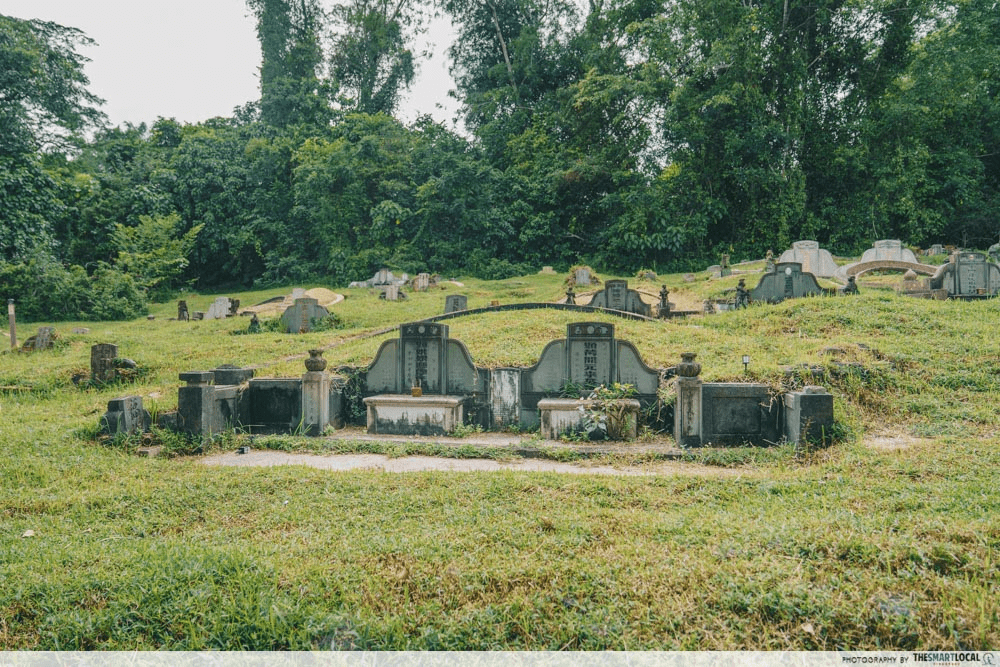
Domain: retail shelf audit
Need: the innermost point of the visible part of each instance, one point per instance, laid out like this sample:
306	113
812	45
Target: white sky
196	59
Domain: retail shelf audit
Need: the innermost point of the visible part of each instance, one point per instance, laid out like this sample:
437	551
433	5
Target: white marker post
13	327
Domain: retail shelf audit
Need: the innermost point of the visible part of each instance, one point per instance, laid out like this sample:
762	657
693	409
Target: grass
855	546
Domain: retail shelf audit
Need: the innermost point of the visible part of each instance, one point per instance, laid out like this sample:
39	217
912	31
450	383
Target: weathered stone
505	397
390	293
581	276
617	296
455	302
232	375
687	412
967	274
547	271
301	316
888	250
808	415
787	282
422	282
182	311
275	405
219	310
813	259
42	340
125	416
739	413
315	402
414	415
81	330
102	362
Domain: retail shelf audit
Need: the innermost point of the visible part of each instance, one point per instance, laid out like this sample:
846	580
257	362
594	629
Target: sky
197	59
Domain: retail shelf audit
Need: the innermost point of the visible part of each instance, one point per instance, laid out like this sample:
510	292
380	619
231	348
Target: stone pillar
687	410
808	414
102	362
12	321
194	404
315	394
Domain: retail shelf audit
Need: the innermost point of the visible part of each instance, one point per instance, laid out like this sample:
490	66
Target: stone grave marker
455	302
813	259
42	340
219	310
968	274
182	311
422	282
582	276
888	250
125	415
390	293
298	293
299	317
423	356
936	249
617	296
103	357
788	281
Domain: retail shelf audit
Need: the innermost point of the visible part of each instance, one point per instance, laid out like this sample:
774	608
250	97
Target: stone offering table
402	414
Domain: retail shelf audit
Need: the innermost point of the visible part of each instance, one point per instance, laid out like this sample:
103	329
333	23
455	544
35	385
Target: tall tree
291	85
371	57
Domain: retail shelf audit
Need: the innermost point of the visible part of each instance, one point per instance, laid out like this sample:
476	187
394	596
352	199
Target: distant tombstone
547	271
103	358
788	281
968	274
936	249
383	277
299	317
298	293
390	293
724	269
617	296
182	311
888	250
994	253
813	259
422	282
81	330
769	261
198	315
423	356
581	276
125	416
234	307
219	310
455	302
41	340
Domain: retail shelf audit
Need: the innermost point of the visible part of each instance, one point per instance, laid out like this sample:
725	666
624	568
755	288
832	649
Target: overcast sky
195	59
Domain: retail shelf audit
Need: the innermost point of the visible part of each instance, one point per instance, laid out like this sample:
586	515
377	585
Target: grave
382	278
182	311
424	361
275	405
422	282
547	271
736	413
967	275
220	309
42	340
392	293
581	276
888	251
788	281
724	268
125	416
589	356
617	296
103	363
453	303
936	249
808	415
813	259
302	315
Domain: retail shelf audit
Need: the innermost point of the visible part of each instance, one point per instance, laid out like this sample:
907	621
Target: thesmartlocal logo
956	658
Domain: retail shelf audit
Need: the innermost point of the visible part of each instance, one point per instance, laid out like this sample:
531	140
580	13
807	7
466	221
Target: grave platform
402	414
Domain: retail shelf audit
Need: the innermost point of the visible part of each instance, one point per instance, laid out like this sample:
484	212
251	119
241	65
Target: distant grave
42	340
888	250
125	416
422	282
788	281
617	296
813	259
302	315
968	275
454	303
382	278
220	309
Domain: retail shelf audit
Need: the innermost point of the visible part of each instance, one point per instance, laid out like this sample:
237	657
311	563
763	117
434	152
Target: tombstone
808	415
390	293
81	330
254	324
300	316
182	311
813	259
547	271
125	416
198	315
219	310
234	307
888	250
769	262
936	249
617	296
454	303
298	293
41	340
967	275
788	281
423	356
724	269
994	253
103	366
589	356
422	282
581	276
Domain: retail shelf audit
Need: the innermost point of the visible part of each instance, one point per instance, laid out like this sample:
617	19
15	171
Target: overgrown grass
849	546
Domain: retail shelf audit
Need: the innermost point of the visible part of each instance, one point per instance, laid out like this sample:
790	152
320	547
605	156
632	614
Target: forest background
624	134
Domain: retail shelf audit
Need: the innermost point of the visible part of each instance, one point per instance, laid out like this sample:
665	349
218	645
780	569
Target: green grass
851	546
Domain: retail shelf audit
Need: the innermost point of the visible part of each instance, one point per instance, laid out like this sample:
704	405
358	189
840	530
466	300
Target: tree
43	104
370	57
292	91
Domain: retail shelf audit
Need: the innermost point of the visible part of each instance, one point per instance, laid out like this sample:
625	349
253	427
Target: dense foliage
625	134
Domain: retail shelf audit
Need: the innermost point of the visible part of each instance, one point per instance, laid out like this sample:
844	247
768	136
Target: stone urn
315	362
688	368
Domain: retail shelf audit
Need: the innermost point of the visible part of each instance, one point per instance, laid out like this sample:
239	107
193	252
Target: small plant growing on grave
465	430
328	323
608	415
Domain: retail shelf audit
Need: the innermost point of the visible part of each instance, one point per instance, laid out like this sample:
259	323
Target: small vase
688	368
315	362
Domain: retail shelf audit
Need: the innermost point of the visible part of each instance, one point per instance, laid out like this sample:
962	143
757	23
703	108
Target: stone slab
414	415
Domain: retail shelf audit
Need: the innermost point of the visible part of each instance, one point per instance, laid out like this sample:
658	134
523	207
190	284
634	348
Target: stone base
565	415
399	414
